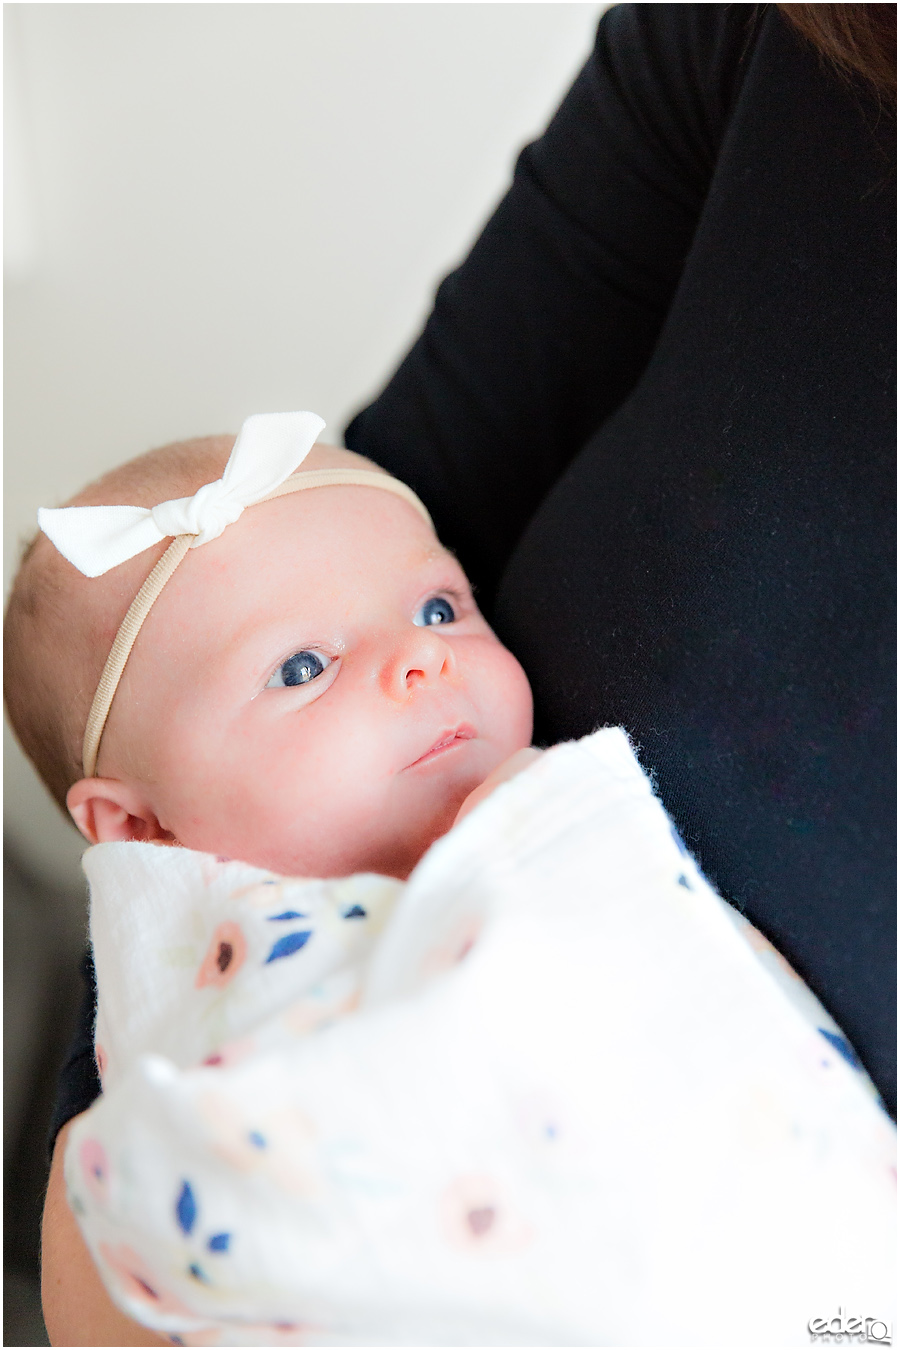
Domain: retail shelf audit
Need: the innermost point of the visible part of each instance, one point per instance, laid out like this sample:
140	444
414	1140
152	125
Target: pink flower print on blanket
453	946
263	1333
277	1142
224	957
478	1216
270	1334
95	1169
231	1053
136	1280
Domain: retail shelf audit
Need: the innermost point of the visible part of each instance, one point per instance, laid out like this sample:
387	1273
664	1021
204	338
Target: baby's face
316	691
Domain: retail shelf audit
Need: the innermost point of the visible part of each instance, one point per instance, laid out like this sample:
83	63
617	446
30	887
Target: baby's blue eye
299	669
435	610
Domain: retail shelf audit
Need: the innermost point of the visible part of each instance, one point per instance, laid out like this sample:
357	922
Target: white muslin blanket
546	1092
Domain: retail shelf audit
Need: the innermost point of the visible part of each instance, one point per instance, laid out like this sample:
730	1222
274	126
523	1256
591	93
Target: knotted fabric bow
94	539
269	448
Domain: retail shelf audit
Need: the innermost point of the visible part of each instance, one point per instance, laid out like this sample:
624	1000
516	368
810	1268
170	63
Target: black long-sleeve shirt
653	412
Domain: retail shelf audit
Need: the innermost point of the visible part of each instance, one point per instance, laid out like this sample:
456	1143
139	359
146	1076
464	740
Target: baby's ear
105	809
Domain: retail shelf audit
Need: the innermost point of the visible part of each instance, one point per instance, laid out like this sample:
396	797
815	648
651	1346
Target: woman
653	412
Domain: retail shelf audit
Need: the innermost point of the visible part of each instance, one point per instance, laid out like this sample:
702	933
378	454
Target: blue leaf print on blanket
186	1208
287	945
842	1047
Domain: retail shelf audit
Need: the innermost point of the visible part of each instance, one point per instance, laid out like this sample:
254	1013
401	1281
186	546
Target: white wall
216	209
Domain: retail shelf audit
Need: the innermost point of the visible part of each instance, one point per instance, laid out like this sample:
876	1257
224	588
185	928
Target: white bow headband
96	538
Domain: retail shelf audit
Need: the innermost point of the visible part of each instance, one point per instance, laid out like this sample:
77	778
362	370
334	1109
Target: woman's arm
77	1308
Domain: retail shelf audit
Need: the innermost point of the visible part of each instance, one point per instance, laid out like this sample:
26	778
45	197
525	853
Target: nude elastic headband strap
144	600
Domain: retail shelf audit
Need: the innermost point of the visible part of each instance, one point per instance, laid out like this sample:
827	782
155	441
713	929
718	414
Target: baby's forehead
363	519
311	545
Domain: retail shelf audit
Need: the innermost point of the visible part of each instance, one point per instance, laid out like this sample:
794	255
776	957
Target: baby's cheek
513	702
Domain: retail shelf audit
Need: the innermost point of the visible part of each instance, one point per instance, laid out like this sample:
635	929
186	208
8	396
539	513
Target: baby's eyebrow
437	553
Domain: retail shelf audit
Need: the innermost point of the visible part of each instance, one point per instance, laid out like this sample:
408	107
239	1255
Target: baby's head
313	691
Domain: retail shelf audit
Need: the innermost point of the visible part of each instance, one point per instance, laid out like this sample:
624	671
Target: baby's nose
421	659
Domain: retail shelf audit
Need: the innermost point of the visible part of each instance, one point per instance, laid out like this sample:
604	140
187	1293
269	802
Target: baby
508	1072
324	709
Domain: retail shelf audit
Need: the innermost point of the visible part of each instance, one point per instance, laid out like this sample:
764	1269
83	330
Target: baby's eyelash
328	659
459	597
456	593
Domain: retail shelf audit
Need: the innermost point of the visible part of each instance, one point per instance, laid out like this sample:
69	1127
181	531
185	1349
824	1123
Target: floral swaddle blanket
543	1093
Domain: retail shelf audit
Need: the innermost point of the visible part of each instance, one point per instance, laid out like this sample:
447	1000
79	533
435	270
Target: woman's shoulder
687	60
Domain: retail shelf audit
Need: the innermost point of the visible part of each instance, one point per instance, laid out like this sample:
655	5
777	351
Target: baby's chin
384	852
386	832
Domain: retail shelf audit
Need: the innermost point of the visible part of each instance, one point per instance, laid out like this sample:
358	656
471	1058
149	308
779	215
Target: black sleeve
79	1083
550	321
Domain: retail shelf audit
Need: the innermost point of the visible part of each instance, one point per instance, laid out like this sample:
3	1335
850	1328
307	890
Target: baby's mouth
448	740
